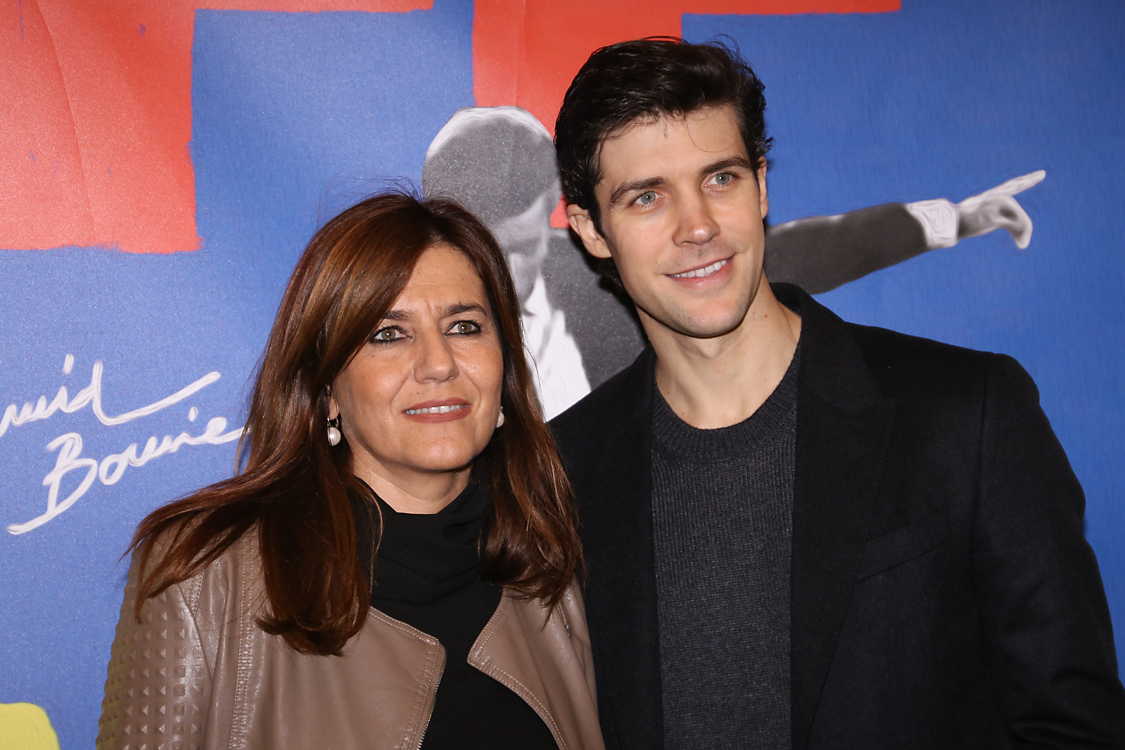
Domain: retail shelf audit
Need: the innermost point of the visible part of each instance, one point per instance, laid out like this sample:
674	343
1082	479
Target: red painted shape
558	216
96	120
543	50
43	199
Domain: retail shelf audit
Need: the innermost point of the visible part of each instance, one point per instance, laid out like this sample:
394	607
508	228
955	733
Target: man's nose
695	221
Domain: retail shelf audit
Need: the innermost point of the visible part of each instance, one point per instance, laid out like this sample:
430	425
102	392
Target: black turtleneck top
427	574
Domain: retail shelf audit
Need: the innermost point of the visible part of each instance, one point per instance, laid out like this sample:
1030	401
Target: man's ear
763	196
580	221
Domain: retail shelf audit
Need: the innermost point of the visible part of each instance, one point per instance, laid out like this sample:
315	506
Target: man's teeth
437	409
700	272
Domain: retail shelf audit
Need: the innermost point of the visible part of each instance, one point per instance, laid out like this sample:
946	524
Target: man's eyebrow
728	163
622	190
649	183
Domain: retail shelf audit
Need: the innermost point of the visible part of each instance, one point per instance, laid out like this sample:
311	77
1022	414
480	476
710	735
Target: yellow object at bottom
25	726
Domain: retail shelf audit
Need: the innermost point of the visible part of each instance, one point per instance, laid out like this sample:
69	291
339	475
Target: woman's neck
420	493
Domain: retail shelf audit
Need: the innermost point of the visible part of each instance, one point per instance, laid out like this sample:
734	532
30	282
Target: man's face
682	210
525	238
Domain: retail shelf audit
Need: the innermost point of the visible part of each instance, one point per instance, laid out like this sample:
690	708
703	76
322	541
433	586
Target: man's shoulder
897	364
903	364
609	407
883	348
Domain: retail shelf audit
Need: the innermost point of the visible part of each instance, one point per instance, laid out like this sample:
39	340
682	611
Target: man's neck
721	381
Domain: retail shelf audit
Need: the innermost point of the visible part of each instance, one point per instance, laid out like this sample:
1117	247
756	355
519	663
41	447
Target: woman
395	567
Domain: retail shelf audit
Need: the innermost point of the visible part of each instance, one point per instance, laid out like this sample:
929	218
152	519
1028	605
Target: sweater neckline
674	436
422	557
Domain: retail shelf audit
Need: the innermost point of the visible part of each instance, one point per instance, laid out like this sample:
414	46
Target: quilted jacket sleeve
158	688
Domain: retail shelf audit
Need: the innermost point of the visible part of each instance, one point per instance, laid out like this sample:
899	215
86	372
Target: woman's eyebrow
464	307
457	308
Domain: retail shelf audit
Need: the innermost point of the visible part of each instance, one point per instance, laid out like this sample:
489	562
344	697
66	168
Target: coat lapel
843	426
616	521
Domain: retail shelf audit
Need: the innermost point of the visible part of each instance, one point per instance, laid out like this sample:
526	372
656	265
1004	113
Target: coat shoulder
902	365
851	364
606	410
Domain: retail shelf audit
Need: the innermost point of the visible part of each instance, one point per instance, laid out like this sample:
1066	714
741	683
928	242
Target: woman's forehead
443	278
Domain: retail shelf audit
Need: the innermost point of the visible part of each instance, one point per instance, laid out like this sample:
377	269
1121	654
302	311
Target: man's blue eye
723	178
645	199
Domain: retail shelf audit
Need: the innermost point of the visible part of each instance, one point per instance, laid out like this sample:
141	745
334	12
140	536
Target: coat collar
843	425
609	461
542	655
843	428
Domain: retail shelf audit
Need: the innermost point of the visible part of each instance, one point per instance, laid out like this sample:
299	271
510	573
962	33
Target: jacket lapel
843	426
616	521
538	655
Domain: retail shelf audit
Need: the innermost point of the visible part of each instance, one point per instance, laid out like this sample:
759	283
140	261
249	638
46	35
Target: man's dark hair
644	80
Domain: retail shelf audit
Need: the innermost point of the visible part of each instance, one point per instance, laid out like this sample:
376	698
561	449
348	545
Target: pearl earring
334	435
500	418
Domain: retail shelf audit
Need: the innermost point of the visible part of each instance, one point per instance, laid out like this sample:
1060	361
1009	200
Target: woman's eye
647	198
465	328
386	335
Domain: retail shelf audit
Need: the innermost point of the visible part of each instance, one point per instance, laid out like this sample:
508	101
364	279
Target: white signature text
109	469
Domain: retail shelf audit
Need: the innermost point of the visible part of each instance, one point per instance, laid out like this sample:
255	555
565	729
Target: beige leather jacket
197	672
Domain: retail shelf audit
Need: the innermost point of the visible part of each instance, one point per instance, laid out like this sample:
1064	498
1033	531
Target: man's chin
699	326
711	331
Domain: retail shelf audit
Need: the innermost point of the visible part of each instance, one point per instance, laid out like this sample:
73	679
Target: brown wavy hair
293	489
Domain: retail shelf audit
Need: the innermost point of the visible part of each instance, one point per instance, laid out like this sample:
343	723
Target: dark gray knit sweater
722	509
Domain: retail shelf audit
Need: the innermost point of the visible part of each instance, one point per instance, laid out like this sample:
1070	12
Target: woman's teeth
437	409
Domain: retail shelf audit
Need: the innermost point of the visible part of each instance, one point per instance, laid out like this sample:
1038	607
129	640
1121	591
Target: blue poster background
296	115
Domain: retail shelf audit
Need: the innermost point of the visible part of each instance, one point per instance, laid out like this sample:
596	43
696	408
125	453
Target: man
800	532
499	162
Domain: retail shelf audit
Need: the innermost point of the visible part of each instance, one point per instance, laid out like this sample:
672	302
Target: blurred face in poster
499	162
682	211
524	238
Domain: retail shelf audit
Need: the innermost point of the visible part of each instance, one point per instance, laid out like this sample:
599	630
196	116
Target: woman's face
419	401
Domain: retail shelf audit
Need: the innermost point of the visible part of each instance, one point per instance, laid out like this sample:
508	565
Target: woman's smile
444	410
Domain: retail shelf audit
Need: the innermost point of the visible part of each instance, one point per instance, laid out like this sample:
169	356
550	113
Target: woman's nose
435	358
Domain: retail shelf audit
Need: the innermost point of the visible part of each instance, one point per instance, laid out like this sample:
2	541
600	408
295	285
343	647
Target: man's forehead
663	119
651	142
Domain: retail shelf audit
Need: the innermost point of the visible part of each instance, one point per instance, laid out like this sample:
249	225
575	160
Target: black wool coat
943	594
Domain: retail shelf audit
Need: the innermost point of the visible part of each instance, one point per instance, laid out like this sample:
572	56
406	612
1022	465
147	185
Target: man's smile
699	273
